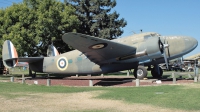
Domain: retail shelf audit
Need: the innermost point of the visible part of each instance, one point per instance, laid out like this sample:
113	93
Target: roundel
98	46
62	63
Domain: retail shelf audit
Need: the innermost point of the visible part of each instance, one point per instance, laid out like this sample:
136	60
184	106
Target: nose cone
180	45
190	44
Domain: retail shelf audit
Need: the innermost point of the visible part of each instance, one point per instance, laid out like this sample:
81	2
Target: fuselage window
70	61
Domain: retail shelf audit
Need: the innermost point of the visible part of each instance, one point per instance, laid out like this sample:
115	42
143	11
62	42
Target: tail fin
52	51
9	54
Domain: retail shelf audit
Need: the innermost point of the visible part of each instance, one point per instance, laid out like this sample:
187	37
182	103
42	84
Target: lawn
168	96
183	97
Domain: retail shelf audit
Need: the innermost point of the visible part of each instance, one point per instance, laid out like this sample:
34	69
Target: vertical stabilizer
52	51
9	54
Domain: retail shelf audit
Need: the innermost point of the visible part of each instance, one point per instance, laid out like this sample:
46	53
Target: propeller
162	48
182	60
168	50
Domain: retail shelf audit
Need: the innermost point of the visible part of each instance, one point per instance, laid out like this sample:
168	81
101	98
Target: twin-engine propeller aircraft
97	55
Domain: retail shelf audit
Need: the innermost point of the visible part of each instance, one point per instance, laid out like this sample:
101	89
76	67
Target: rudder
9	54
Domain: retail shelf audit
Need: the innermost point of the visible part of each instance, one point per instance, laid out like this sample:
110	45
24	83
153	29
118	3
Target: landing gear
140	72
33	75
157	72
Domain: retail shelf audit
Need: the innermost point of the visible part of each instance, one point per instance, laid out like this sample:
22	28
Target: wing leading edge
96	49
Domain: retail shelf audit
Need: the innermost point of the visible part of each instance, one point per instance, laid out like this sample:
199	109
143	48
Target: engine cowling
154	47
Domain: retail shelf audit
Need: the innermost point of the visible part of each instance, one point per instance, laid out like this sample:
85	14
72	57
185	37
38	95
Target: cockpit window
147	36
151	35
155	34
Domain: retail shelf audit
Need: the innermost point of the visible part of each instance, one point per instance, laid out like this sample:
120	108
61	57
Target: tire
190	70
155	74
140	72
34	75
1	72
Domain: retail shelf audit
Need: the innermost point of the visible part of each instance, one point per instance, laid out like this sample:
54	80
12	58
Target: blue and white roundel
62	63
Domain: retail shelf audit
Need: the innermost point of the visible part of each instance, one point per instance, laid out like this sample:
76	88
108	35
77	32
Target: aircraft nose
180	45
190	43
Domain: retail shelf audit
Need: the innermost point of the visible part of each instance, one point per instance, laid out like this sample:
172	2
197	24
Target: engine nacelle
154	47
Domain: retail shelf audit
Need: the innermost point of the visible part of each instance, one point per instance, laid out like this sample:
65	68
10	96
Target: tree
15	26
35	24
97	19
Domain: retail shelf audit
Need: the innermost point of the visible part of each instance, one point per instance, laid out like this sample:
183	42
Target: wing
96	49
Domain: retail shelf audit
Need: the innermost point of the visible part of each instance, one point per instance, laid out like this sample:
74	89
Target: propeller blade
160	45
182	60
165	57
168	50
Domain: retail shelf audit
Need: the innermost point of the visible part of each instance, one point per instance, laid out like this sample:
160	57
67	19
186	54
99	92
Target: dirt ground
73	102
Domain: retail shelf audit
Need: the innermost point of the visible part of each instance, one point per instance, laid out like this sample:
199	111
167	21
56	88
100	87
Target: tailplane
9	54
52	51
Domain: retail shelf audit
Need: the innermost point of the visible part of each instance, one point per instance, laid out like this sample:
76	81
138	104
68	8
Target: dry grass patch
82	101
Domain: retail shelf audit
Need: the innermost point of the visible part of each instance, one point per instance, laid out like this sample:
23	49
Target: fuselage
76	62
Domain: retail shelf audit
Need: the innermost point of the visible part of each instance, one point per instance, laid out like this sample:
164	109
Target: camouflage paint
102	56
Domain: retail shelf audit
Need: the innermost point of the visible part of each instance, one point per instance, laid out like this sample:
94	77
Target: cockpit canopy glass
151	35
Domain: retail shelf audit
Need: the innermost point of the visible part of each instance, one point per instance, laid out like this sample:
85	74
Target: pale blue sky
167	17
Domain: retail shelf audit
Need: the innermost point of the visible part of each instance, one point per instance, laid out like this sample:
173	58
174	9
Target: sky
166	17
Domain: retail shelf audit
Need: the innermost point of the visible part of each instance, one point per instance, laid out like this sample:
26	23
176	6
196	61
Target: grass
161	96
18	70
8	88
176	96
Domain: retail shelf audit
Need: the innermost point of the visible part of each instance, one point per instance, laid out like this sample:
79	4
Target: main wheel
155	73
190	70
140	72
